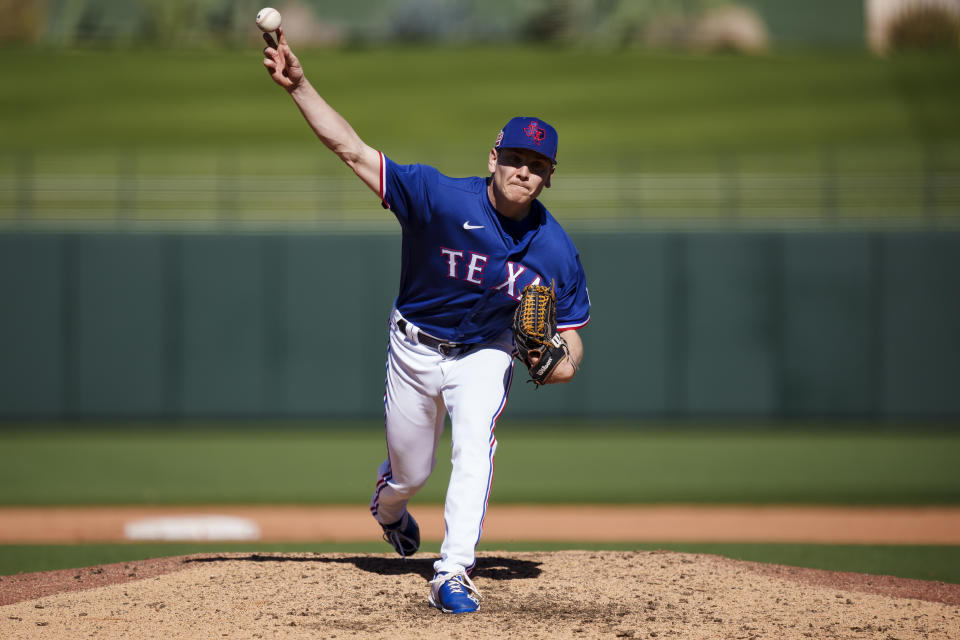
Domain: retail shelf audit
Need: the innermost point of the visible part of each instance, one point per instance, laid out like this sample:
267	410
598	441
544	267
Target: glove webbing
533	317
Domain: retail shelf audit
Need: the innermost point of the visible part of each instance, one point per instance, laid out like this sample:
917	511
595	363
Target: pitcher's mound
569	594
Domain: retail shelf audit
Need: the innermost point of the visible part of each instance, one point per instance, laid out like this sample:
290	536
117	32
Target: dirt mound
569	594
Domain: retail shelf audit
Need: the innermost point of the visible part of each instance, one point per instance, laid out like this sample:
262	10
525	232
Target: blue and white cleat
454	593
404	535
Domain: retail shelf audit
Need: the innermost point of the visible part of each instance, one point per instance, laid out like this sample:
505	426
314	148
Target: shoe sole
407	554
403	553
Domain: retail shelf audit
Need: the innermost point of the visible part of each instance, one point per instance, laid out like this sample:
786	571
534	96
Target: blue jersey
464	265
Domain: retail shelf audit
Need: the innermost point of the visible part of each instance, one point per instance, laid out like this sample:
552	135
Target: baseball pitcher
487	275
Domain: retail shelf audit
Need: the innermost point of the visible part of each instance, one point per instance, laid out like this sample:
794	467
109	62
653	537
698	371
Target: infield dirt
569	594
513	523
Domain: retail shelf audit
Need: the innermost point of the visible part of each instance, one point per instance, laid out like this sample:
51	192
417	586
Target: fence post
226	190
676	312
775	293
127	174
930	182
631	189
273	302
828	183
730	171
69	326
173	360
877	328
26	184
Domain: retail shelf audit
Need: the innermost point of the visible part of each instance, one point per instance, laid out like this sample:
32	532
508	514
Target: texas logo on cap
535	132
529	133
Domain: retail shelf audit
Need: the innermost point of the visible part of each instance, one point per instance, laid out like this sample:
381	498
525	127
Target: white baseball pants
422	387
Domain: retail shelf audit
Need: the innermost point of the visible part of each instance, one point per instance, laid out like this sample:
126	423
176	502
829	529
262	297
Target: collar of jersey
536	209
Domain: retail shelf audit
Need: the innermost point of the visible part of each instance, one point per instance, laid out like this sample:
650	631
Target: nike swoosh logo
468	226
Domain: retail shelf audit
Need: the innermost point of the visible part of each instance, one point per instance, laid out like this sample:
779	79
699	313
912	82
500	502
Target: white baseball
268	19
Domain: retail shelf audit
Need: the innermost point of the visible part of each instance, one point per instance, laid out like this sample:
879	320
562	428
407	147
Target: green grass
615	110
574	462
920	562
177	136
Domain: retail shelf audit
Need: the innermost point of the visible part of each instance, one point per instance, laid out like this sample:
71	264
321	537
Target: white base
209	527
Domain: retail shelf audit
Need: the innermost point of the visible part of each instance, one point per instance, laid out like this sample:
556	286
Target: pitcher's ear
492	160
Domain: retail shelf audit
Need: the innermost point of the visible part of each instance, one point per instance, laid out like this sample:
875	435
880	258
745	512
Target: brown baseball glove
539	345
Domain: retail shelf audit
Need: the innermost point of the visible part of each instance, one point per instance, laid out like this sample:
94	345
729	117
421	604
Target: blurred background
765	195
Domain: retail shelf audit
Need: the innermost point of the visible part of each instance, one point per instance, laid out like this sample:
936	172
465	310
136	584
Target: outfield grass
615	110
178	137
575	462
572	462
920	562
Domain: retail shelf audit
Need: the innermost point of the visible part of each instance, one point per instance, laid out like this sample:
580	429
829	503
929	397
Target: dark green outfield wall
684	324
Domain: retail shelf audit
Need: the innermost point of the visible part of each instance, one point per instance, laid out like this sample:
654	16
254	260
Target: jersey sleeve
573	300
404	189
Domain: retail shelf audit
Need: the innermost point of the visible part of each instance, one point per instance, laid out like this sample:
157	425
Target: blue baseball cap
529	133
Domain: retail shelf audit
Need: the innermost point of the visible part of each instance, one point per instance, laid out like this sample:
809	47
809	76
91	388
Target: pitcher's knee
409	486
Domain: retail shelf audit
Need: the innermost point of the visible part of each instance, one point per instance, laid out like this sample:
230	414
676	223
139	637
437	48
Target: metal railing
826	197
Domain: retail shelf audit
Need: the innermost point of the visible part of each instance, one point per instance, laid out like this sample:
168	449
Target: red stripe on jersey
383	181
571	327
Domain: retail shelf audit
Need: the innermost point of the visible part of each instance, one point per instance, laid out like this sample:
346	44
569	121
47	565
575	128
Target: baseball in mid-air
268	19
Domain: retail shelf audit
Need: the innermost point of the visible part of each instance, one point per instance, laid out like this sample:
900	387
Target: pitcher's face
519	174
